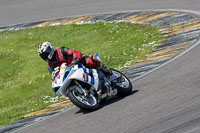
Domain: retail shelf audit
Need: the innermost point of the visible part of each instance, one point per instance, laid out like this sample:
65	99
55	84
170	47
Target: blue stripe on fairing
86	77
92	80
67	70
55	89
90	70
80	65
84	69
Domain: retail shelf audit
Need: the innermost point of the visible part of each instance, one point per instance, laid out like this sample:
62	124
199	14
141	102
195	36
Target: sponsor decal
84	77
64	68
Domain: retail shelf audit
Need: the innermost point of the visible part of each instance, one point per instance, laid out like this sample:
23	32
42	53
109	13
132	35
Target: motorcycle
84	86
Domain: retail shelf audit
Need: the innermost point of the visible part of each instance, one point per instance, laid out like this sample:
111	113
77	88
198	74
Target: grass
25	84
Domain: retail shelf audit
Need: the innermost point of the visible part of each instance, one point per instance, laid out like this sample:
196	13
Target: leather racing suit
66	55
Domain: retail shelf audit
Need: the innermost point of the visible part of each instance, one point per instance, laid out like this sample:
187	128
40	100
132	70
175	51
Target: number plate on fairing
55	73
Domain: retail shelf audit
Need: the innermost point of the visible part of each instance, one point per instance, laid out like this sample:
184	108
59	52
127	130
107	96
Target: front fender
64	87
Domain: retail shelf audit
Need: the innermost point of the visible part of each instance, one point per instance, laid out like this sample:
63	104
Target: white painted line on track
174	58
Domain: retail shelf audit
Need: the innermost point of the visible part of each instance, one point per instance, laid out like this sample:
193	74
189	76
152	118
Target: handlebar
74	62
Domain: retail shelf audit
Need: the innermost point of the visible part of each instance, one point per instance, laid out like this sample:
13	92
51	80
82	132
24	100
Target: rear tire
124	88
81	101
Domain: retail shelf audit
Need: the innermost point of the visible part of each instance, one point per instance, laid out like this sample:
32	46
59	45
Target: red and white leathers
66	55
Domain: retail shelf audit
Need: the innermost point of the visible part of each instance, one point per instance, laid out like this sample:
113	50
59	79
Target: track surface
167	100
24	11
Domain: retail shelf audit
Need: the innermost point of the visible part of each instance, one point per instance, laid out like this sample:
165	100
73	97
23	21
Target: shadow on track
110	101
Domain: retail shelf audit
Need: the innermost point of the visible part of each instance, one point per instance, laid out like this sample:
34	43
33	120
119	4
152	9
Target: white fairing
76	72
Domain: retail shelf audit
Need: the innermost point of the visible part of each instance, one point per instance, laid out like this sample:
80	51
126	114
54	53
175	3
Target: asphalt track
167	99
24	11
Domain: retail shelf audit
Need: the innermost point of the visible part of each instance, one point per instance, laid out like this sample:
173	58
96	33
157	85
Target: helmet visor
50	55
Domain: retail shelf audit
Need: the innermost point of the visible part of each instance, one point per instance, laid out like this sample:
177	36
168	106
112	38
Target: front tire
123	88
89	102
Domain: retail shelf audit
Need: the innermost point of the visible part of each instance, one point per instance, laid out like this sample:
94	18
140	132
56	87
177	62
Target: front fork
85	92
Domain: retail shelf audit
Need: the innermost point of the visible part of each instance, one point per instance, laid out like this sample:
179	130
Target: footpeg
112	92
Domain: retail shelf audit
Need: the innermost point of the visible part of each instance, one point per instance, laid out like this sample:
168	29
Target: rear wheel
88	102
123	84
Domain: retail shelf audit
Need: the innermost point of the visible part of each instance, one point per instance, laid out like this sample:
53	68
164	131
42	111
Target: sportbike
85	86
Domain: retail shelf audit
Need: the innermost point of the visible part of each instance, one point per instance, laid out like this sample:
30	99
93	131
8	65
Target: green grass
24	79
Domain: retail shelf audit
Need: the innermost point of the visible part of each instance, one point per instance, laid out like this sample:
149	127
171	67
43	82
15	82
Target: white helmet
46	51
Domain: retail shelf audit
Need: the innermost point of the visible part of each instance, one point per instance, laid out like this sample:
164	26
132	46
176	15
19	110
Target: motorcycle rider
55	57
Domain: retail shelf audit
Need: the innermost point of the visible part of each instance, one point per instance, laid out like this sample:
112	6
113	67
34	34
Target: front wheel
122	84
89	102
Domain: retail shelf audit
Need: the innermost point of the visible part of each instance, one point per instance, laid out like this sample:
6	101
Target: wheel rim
87	100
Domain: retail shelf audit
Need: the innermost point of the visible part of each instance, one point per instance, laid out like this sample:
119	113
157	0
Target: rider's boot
106	84
109	90
105	69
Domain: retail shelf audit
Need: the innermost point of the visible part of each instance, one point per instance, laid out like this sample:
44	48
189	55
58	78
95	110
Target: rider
55	57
